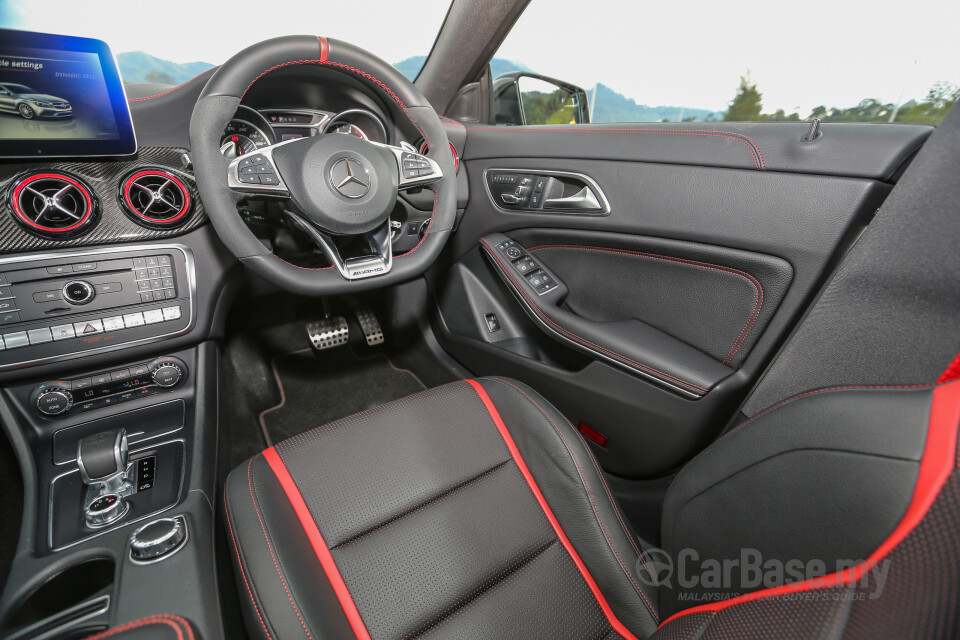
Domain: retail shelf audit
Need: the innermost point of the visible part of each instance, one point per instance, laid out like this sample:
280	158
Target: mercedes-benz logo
350	178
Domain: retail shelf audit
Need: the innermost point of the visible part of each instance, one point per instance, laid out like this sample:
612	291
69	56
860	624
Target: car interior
304	348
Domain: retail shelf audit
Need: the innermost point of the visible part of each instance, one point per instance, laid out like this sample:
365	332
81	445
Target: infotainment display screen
61	96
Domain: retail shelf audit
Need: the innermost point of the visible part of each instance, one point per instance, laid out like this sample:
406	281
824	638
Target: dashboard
251	130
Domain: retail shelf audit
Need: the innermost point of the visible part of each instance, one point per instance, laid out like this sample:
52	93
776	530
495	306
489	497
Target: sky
684	53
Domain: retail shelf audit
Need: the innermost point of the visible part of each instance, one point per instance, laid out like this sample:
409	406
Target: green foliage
746	104
548	108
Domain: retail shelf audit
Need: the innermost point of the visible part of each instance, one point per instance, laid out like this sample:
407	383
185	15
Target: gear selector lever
102	458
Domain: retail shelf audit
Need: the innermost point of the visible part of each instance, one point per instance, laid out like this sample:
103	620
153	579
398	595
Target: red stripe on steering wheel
324	48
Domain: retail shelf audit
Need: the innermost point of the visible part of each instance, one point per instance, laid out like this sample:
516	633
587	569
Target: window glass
700	61
171	41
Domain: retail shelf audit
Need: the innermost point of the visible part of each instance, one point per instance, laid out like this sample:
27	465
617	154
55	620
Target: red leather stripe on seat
548	512
938	462
316	541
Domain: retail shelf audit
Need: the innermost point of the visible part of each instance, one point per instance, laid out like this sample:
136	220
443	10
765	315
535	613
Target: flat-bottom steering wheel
337	185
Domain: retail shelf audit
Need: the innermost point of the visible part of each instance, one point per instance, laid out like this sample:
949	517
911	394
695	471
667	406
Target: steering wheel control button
78	292
87	327
158	539
251	161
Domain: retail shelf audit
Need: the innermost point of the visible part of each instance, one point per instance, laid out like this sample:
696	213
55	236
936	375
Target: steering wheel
333	184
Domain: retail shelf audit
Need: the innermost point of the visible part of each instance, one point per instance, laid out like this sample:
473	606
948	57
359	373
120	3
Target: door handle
583	200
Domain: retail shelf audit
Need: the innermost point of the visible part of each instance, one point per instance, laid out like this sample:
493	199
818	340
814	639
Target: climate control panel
58	398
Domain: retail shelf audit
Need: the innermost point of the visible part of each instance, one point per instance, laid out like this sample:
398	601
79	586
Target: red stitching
752	146
757	287
177	623
177	88
270	548
589	496
584	341
240	564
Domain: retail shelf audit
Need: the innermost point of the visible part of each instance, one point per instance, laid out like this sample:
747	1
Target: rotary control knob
158	539
167	374
78	292
54	401
104	510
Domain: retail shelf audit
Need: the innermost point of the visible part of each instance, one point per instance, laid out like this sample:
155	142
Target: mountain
137	66
609	106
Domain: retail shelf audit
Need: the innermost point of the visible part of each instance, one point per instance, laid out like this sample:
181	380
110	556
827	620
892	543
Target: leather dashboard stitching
757	287
666	377
593	504
178	624
266	538
746	141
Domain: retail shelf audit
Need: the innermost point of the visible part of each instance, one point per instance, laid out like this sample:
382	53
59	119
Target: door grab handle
583	200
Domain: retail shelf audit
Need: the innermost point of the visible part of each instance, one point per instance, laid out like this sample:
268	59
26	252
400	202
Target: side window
567	62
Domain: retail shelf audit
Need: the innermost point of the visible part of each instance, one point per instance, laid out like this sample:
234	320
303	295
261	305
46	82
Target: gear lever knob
102	457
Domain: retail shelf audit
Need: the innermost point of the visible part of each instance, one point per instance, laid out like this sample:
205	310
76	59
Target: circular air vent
423	148
155	198
53	205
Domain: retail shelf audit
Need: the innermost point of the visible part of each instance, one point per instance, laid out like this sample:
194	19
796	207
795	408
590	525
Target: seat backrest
829	461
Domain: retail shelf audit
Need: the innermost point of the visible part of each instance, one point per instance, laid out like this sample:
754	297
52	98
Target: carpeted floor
316	389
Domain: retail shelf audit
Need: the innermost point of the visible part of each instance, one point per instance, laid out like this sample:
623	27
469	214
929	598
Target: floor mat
316	389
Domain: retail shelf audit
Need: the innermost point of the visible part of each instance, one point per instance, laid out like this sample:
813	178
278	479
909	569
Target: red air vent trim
181	209
71	183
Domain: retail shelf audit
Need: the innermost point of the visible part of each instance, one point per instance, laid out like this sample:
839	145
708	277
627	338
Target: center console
65	305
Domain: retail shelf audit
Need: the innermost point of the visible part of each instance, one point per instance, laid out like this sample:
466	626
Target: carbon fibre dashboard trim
103	176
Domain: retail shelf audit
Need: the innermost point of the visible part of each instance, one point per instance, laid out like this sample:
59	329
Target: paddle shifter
102	458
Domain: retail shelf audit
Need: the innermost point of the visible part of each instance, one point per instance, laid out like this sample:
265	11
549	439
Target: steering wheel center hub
342	184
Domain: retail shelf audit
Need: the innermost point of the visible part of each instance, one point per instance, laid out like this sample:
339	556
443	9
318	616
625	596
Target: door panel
668	308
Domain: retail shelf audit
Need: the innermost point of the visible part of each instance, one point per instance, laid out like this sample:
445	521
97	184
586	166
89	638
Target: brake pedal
370	326
328	333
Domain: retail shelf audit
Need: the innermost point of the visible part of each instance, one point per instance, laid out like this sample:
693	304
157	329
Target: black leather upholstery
434	528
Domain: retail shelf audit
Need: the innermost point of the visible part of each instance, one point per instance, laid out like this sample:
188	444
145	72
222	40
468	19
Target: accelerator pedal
370	326
328	333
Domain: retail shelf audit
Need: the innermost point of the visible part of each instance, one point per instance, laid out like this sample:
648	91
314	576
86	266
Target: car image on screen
29	104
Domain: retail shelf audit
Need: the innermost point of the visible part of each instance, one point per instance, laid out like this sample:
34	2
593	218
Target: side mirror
521	98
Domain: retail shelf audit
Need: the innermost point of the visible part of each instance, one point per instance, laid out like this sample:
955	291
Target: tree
746	104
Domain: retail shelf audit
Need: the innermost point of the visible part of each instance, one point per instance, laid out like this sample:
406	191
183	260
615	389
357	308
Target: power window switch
526	266
537	279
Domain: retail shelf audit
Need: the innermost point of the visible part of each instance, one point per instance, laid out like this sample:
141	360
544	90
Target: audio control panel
71	303
60	398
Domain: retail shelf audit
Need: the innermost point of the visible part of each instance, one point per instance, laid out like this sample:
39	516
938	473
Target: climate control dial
53	401
167	374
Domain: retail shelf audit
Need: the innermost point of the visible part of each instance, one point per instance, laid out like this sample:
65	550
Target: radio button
39	336
10	317
164	261
147	296
85	266
47	296
88	327
63	268
113	324
171	313
8	305
109	287
133	320
153	316
63	332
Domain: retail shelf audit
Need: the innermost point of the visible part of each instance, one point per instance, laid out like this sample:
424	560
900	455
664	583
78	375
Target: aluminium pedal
370	326
328	333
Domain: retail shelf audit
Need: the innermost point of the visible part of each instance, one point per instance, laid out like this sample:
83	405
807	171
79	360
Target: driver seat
476	510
